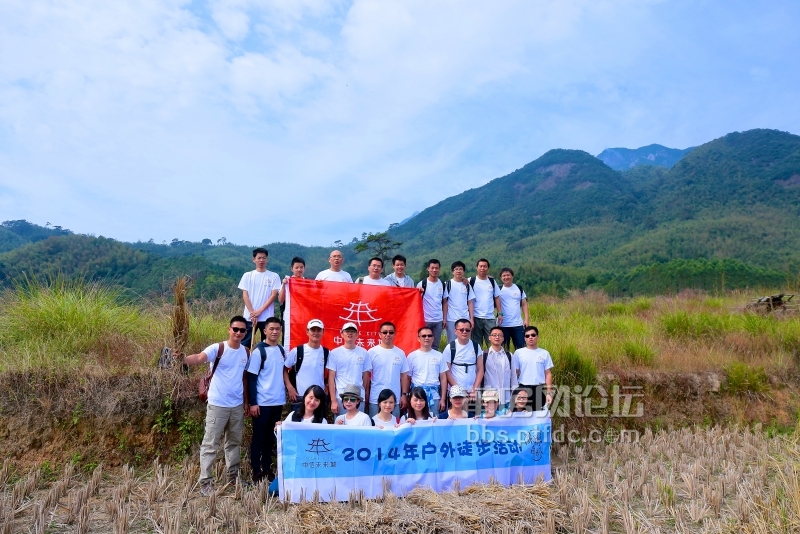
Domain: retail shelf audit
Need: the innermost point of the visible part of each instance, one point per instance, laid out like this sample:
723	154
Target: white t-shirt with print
259	287
383	424
485	292
312	372
531	363
510	298
226	389
360	419
349	366
458	298
387	366
425	367
465	354
432	301
271	390
334	276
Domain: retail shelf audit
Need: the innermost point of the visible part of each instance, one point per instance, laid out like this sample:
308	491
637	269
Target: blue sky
311	121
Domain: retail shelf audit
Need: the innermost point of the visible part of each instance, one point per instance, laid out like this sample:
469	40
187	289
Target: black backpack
296	367
492	280
262	348
466	366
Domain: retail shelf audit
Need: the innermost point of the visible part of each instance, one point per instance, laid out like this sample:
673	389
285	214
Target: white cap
348	326
315	323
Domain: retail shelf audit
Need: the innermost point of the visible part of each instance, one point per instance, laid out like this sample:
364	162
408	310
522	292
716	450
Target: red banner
337	303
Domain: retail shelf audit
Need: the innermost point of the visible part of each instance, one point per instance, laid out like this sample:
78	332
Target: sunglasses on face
239	330
349	399
388	333
467	330
426	335
531	335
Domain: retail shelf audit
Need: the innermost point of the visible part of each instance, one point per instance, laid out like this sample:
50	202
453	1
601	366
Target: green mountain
622	159
723	216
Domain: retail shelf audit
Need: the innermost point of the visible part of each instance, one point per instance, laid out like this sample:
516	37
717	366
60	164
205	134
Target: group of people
382	386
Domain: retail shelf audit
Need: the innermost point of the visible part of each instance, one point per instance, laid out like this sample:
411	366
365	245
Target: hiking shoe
207	489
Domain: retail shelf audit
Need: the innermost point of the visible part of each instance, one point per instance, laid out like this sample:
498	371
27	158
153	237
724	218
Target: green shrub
743	378
642	304
681	324
617	308
639	353
570	368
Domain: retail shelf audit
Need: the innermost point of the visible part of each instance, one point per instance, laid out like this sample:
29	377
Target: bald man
335	273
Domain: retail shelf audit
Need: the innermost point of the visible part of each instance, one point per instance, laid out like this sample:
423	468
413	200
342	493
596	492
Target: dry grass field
84	412
687	480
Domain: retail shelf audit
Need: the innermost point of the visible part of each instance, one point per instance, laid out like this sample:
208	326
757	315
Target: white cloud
314	121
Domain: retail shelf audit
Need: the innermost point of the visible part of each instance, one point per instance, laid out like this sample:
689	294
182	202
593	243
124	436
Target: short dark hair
531	327
458	263
237	319
260	250
463	321
298	259
374	258
386	394
398	257
271	320
434	260
387	323
483	259
497	328
507	270
424	328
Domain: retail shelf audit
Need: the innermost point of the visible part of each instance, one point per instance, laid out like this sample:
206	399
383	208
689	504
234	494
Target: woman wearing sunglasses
351	400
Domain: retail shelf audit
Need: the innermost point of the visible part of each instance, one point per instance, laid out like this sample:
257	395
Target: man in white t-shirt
433	294
427	368
307	363
375	270
389	371
226	403
487	300
398	278
466	360
533	367
298	267
498	374
259	291
335	273
460	300
267	395
348	364
513	316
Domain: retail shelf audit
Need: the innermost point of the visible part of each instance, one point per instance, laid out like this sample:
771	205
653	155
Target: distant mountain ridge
622	159
724	216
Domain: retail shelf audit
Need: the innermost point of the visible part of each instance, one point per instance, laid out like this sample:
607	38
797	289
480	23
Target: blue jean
515	334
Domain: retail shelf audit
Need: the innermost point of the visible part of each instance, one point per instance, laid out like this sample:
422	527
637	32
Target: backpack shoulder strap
301	349
494	283
447	285
263	350
477	349
325	353
485	357
220	352
508	355
472	281
424	285
452	351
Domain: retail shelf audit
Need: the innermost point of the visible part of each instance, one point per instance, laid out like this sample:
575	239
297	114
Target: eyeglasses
239	330
426	335
531	335
388	333
464	329
496	334
349	399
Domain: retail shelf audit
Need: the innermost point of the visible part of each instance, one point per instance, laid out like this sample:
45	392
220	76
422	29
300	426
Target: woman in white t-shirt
312	409
386	403
418	409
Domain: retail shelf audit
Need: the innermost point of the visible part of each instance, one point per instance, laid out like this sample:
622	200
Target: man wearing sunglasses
427	368
226	404
466	360
533	368
389	371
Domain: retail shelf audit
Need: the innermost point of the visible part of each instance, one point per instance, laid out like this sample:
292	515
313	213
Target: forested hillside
724	216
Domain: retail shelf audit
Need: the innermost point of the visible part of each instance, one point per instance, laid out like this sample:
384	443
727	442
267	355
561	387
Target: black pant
537	397
263	440
249	335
